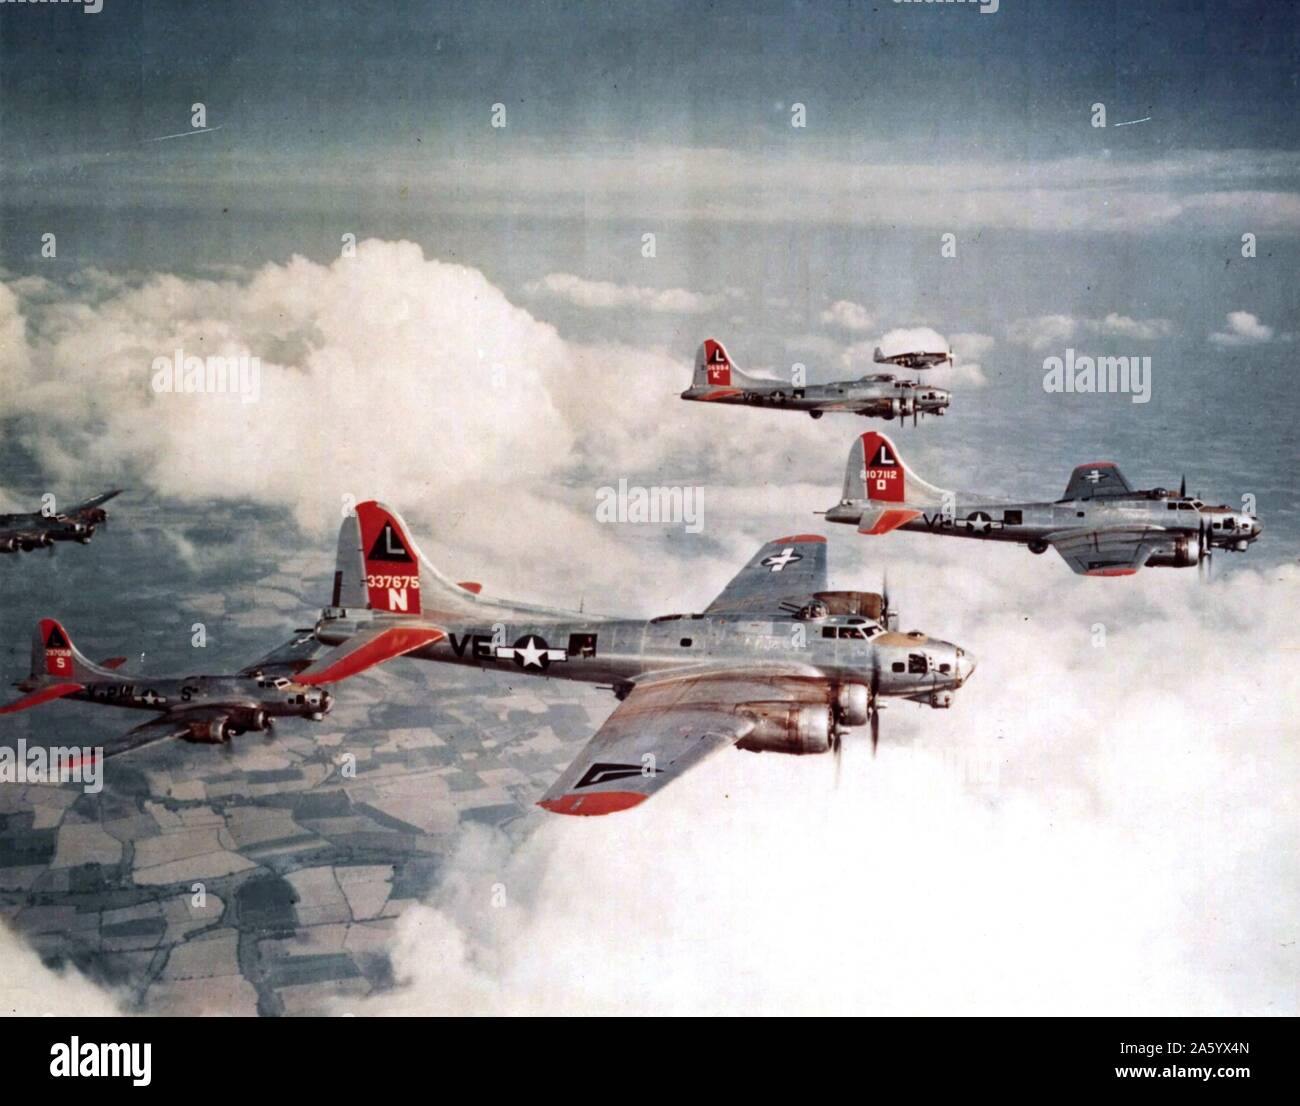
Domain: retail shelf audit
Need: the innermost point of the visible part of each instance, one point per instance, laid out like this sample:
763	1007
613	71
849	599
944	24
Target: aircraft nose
965	666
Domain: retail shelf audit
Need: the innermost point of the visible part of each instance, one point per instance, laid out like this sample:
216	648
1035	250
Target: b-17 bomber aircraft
203	709
776	663
1101	526
878	395
36	530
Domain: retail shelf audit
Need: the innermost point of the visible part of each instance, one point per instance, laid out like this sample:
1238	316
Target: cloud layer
1121	846
1243	329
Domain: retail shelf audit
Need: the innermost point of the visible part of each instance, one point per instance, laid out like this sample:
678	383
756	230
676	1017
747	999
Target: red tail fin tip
882	471
392	567
717	363
58	649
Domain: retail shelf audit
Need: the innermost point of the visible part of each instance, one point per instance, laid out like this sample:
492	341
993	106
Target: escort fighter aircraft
204	709
776	663
1101	526
879	395
25	532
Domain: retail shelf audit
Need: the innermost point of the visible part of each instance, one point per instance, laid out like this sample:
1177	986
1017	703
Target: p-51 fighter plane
204	709
35	530
776	663
1101	526
879	395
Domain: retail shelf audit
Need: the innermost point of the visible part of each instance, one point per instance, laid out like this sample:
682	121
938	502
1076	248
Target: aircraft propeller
873	708
1205	553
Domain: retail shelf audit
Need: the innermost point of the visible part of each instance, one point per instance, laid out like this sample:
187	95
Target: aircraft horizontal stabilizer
366	650
881	520
44	695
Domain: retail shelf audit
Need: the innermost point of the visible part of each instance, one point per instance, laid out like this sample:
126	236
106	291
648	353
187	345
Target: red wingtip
601	802
470	586
1112	572
794	539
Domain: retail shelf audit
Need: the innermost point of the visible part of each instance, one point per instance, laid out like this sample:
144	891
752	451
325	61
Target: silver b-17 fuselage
615	652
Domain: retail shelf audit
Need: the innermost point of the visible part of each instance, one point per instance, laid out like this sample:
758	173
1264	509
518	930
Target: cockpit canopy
850	627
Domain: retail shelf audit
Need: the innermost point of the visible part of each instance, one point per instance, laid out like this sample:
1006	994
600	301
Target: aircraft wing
173	724
1096	480
93	502
664	728
1114	551
783	570
288	659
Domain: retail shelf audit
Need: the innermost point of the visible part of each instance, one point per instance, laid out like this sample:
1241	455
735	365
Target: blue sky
501	346
674	120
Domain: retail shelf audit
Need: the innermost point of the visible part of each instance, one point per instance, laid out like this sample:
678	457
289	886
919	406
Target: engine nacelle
246	720
211	731
853	704
798	731
941	700
1183	552
8	545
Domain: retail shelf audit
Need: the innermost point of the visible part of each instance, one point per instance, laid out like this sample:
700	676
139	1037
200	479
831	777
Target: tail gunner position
776	663
1101	527
879	395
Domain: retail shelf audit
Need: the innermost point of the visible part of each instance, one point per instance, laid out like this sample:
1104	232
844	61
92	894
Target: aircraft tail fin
55	657
380	568
877	473
714	367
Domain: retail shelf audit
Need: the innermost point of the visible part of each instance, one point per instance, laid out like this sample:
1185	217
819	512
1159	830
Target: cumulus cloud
1042	332
1244	329
848	315
28	989
1021	854
1146	330
599	294
388	375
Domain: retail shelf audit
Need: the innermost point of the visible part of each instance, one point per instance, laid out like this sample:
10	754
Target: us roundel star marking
777	561
531	651
979	523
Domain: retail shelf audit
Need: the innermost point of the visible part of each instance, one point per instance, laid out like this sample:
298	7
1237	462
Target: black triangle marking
57	639
389	547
